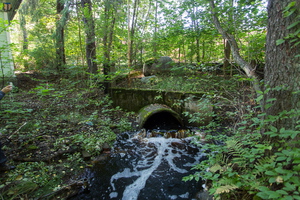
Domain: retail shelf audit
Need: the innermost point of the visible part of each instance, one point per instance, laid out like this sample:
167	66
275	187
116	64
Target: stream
145	165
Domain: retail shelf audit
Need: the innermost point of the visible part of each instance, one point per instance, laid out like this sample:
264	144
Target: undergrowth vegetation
53	131
255	160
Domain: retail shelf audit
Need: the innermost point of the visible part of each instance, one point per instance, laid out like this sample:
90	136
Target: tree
60	41
194	12
109	15
282	69
25	36
132	17
246	66
90	46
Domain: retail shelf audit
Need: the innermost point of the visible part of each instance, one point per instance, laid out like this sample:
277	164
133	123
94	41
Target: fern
225	189
237	151
262	163
215	168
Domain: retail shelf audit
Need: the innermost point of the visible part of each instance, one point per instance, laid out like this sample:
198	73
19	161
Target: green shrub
258	161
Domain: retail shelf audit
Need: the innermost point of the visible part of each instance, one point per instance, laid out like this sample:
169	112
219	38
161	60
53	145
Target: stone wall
136	99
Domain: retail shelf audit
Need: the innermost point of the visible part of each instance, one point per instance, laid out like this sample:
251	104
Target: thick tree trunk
227	53
198	49
109	21
282	69
90	47
60	41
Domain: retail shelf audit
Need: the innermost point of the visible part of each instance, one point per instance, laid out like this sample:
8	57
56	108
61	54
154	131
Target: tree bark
109	21
154	43
227	52
60	41
282	69
132	20
90	46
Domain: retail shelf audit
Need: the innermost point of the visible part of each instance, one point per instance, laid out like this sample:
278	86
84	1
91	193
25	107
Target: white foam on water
151	158
173	197
124	174
186	195
113	195
132	191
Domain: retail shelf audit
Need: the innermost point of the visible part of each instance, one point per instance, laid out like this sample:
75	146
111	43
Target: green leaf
270	173
282	192
272	180
281	171
296	197
288	198
280	41
259	98
270	100
263	188
280	158
291	4
273	194
289	187
262	195
268	105
274	129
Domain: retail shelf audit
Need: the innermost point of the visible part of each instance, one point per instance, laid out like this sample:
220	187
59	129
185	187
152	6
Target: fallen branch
17	130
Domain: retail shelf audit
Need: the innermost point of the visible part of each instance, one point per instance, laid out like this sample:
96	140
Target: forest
243	55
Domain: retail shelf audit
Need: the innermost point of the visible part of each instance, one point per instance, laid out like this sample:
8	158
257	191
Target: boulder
157	66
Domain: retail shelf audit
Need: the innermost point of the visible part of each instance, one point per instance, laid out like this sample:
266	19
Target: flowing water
141	166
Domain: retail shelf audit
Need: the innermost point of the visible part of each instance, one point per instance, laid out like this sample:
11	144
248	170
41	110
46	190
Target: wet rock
106	148
203	195
201	136
157	65
148	79
101	158
86	155
142	133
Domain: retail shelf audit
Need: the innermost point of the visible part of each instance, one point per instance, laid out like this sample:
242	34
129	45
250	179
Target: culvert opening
162	120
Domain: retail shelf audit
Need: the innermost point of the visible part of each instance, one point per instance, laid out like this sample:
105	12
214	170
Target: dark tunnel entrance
162	120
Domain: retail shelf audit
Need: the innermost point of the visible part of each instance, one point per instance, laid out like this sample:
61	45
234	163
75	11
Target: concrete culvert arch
159	116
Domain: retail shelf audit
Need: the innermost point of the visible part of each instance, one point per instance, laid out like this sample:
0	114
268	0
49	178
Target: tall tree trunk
25	39
282	69
227	53
155	55
109	21
197	32
90	46
203	50
132	20
198	50
60	44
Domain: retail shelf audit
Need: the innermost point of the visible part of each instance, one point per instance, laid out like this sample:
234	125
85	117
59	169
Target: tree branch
247	68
